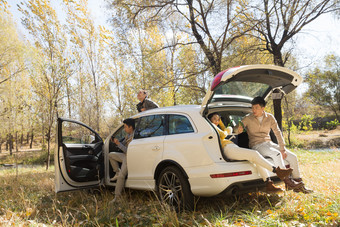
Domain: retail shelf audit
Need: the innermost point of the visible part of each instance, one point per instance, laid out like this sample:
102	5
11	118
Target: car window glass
120	134
150	126
73	133
232	118
249	89
179	124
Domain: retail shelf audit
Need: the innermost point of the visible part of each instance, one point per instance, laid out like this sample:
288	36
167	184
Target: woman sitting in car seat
232	151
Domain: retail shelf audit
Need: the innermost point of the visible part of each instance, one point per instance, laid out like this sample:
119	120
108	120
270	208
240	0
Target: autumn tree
140	64
50	68
11	49
213	25
121	89
89	44
278	22
184	82
14	89
324	84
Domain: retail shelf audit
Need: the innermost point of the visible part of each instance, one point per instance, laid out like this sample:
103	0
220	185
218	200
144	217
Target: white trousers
232	151
114	158
272	150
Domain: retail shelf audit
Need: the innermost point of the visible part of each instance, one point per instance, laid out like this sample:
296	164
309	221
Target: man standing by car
144	102
115	157
258	125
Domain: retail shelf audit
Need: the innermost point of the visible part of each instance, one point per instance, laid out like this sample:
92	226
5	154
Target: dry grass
27	198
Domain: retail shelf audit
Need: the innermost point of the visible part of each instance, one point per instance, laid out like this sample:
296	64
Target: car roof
170	110
188	109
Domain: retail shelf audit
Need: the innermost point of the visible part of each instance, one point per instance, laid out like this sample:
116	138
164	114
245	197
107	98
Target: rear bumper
238	188
202	184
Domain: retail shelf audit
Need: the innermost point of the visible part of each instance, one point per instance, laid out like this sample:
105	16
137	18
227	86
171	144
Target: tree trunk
48	147
278	59
277	98
289	115
213	62
68	99
16	142
97	110
174	97
31	143
278	112
7	139
48	153
10	142
289	125
21	139
42	135
28	138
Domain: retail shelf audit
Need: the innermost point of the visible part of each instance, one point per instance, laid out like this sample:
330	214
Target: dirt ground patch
321	138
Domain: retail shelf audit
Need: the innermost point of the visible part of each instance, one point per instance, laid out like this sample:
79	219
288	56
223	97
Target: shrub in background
306	123
332	124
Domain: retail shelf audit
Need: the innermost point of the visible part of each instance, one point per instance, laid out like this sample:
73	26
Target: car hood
242	83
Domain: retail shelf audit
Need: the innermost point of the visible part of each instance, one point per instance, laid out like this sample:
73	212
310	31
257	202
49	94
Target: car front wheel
174	189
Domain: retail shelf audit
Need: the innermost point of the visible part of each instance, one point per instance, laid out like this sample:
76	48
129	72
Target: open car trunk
232	91
239	85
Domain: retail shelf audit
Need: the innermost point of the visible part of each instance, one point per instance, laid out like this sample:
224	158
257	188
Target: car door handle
156	148
89	148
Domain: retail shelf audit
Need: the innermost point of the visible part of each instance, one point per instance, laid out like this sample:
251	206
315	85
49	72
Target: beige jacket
259	133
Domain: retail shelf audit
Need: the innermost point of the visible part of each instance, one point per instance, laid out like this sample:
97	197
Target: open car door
78	159
242	83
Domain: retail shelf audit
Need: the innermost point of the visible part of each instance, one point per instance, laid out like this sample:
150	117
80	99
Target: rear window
179	124
248	89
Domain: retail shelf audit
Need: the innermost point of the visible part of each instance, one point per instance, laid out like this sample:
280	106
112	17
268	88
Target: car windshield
249	89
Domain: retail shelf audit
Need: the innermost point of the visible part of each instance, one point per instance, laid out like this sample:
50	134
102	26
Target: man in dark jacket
144	102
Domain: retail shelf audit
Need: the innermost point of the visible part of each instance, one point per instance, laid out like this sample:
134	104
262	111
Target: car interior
232	119
82	152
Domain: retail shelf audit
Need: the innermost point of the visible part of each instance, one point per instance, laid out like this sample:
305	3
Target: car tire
173	189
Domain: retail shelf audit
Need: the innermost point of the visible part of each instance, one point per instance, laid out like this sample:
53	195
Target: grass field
27	198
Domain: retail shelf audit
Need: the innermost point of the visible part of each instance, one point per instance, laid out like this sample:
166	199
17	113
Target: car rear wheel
174	189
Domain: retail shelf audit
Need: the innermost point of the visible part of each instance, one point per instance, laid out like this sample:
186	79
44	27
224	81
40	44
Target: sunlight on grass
27	198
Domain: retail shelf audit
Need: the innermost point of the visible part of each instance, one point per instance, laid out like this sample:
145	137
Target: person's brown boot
283	173
302	189
291	184
272	188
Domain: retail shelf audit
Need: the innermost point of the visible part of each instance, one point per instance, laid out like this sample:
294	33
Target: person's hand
240	129
116	141
229	130
284	154
143	109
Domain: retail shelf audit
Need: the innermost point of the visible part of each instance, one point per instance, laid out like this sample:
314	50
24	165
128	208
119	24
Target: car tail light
233	174
217	79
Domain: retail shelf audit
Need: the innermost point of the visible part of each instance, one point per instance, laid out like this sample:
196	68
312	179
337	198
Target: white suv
175	151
